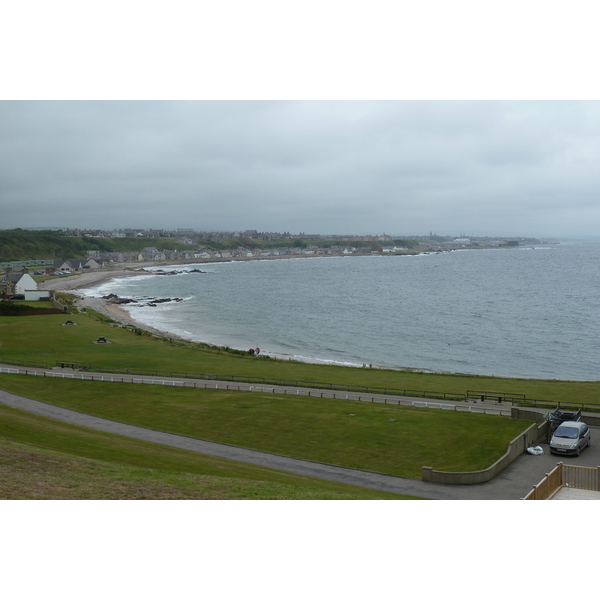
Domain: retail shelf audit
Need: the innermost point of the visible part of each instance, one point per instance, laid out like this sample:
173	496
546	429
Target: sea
526	312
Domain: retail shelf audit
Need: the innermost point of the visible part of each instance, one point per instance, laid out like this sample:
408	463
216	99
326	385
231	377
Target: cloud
490	168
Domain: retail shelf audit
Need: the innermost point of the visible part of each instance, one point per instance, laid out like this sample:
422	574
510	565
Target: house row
73	265
152	254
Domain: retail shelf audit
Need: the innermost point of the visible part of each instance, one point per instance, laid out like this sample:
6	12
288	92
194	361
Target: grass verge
42	458
382	438
43	338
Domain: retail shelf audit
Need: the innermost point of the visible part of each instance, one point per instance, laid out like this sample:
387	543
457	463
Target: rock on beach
102	305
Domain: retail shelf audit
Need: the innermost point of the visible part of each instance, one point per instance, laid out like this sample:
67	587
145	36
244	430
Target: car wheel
578	451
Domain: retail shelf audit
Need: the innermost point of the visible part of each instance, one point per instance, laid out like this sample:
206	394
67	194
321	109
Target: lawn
387	439
42	458
46	339
382	438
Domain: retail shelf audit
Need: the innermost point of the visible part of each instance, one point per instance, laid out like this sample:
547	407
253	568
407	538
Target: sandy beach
93	278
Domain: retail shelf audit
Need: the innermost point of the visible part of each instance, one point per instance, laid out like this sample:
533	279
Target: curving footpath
514	483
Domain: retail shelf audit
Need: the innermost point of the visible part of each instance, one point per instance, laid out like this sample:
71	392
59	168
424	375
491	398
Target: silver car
570	437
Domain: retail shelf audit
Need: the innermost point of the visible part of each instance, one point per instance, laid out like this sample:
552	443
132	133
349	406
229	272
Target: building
22	284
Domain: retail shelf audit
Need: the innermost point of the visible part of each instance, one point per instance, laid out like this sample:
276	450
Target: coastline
90	279
113	311
100	281
118	313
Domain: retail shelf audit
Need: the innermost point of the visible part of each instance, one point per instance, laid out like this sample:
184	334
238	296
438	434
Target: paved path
513	483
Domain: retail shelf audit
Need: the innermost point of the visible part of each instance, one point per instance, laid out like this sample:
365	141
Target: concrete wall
527	414
35	295
532	435
532	415
58	305
592	420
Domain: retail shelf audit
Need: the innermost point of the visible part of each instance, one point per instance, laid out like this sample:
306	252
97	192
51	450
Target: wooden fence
574	476
247	387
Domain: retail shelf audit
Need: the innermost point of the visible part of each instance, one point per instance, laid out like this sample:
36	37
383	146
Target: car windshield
566	432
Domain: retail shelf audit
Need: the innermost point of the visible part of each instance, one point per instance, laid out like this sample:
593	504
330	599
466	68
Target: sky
497	168
320	117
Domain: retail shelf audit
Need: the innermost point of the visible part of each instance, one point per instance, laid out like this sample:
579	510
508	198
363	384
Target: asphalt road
512	484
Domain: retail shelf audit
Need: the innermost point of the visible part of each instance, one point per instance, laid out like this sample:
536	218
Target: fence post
560	472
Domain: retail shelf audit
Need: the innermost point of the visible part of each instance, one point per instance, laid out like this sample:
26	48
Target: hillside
20	244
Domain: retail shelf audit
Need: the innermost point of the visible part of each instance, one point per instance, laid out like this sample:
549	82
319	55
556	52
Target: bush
9	308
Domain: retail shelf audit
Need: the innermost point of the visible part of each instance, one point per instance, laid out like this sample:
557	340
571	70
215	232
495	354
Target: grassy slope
382	438
43	458
44	338
19	244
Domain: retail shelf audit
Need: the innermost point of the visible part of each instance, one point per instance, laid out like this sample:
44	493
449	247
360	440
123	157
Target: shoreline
121	315
117	313
84	281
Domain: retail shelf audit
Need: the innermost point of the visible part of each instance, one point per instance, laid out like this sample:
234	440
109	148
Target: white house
25	284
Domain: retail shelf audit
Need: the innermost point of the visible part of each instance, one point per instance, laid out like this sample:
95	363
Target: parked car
570	437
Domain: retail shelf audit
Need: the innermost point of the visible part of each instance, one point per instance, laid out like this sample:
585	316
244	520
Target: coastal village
202	245
16	276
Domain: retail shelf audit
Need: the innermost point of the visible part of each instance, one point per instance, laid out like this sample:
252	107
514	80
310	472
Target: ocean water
522	312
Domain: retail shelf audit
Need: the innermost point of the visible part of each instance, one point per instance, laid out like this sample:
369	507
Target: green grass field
43	458
386	439
45	338
383	438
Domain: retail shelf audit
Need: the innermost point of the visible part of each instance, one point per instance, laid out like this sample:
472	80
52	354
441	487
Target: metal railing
26	363
497	396
514	399
554	404
352	388
246	387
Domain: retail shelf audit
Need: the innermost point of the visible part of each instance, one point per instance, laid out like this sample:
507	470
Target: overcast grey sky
343	167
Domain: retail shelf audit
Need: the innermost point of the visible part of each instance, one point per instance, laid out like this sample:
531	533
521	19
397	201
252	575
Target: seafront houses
151	253
73	265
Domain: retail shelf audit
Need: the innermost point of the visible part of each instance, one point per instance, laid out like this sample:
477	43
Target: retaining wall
516	447
59	306
35	295
528	414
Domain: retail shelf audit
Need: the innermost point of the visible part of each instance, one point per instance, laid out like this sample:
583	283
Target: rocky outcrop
114	299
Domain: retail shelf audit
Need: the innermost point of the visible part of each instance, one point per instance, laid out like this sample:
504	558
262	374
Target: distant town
24	253
160	245
254	244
